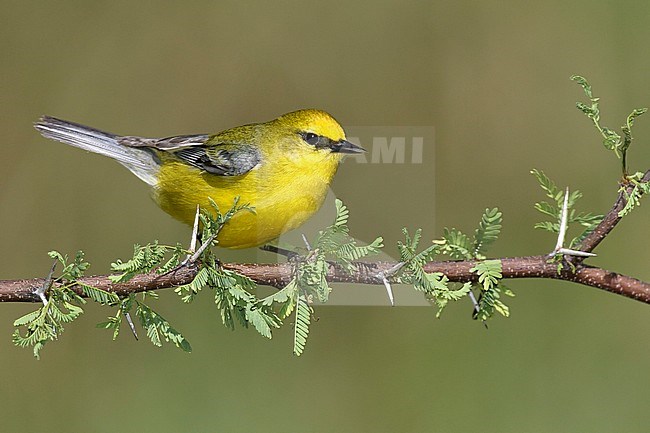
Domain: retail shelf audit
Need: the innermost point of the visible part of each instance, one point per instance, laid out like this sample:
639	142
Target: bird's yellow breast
284	190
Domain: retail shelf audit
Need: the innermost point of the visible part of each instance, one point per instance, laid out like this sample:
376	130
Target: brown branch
609	222
25	290
278	275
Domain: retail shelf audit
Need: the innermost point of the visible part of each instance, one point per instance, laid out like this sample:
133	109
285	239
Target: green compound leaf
64	312
458	244
27	318
549	187
488	231
158	328
40	327
285	298
189	291
627	128
145	258
98	295
342	215
582	81
174	260
301	325
114	323
436	287
62	306
408	249
611	139
311	277
489	272
633	199
73	270
262	320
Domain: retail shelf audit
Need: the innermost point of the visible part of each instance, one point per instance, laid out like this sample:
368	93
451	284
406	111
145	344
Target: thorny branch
277	275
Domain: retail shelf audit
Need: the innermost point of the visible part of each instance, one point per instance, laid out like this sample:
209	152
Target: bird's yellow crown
311	120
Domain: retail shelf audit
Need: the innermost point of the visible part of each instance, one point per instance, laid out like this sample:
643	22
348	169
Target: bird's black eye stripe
315	140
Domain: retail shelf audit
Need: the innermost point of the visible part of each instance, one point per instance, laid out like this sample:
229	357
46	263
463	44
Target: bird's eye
311	138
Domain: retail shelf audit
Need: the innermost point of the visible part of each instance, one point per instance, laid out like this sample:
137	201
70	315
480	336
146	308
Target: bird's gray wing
224	159
221	159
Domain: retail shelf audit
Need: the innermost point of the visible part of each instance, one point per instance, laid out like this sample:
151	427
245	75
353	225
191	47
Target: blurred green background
490	77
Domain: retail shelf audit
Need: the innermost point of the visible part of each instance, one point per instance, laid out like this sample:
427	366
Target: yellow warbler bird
282	168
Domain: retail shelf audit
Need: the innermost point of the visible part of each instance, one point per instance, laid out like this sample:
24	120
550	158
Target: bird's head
317	132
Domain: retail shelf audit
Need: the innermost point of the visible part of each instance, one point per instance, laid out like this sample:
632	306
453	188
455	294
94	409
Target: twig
609	222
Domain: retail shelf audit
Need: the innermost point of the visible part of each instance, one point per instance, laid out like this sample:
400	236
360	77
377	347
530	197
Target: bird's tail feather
141	161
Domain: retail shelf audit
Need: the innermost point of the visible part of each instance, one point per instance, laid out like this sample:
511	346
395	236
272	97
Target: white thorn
474	301
306	241
195	230
202	248
389	290
476	307
192	256
563	221
40	291
384	275
569	252
43	298
559	246
127	315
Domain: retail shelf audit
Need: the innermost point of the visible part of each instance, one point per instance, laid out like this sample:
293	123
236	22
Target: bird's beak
345	146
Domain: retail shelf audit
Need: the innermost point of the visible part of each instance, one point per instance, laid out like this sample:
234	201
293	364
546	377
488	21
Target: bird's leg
279	250
289	254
